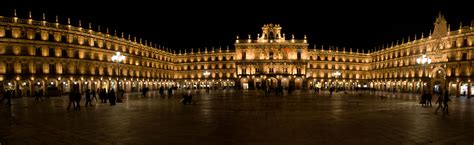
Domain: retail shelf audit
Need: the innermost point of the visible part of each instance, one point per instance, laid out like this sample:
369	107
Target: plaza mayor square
205	73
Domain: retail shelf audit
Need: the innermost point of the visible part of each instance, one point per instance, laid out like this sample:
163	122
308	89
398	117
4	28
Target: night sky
180	24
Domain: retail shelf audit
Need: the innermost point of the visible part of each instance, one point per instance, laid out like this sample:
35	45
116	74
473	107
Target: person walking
77	99
439	102
88	98
445	102
71	100
112	97
429	97
94	96
8	96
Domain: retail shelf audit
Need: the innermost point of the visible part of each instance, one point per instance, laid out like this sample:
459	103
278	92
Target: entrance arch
272	82
438	81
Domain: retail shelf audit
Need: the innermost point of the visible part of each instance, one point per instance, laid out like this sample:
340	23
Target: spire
44	17
80	23
122	35
129	37
408	38
107	30
29	15
115	32
69	21
57	19
90	25
98	28
415	37
422	35
14	12
460	27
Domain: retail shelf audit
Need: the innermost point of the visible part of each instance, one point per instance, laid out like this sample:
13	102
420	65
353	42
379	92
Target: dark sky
180	24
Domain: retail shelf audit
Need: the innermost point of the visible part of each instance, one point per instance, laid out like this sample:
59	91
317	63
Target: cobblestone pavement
242	118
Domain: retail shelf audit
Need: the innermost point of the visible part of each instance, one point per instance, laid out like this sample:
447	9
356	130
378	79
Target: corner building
53	57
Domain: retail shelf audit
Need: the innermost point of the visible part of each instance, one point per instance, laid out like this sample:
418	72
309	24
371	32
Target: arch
244	82
298	83
438	72
272	82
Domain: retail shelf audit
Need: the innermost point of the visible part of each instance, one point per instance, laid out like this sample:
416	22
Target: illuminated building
40	54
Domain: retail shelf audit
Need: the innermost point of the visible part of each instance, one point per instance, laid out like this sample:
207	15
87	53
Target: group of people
111	96
162	91
187	98
442	101
7	95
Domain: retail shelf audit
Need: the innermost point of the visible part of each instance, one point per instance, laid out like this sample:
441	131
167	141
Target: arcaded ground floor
241	117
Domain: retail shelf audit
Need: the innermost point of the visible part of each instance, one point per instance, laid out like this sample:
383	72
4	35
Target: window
25	68
257	70
271	55
285	70
10	68
298	70
38	51
464	56
52	68
271	70
63	52
244	56
51	52
39	68
298	54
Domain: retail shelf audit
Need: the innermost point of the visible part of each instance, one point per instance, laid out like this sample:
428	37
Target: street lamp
423	60
206	74
335	76
118	58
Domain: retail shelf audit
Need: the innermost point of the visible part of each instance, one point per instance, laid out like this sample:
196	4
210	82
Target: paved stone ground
243	118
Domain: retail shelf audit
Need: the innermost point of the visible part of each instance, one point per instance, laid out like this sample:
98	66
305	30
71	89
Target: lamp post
423	60
206	74
335	75
118	58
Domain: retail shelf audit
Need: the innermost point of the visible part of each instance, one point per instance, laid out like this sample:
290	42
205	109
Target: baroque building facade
40	55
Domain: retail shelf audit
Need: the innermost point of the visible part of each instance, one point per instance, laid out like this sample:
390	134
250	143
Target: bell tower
271	33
